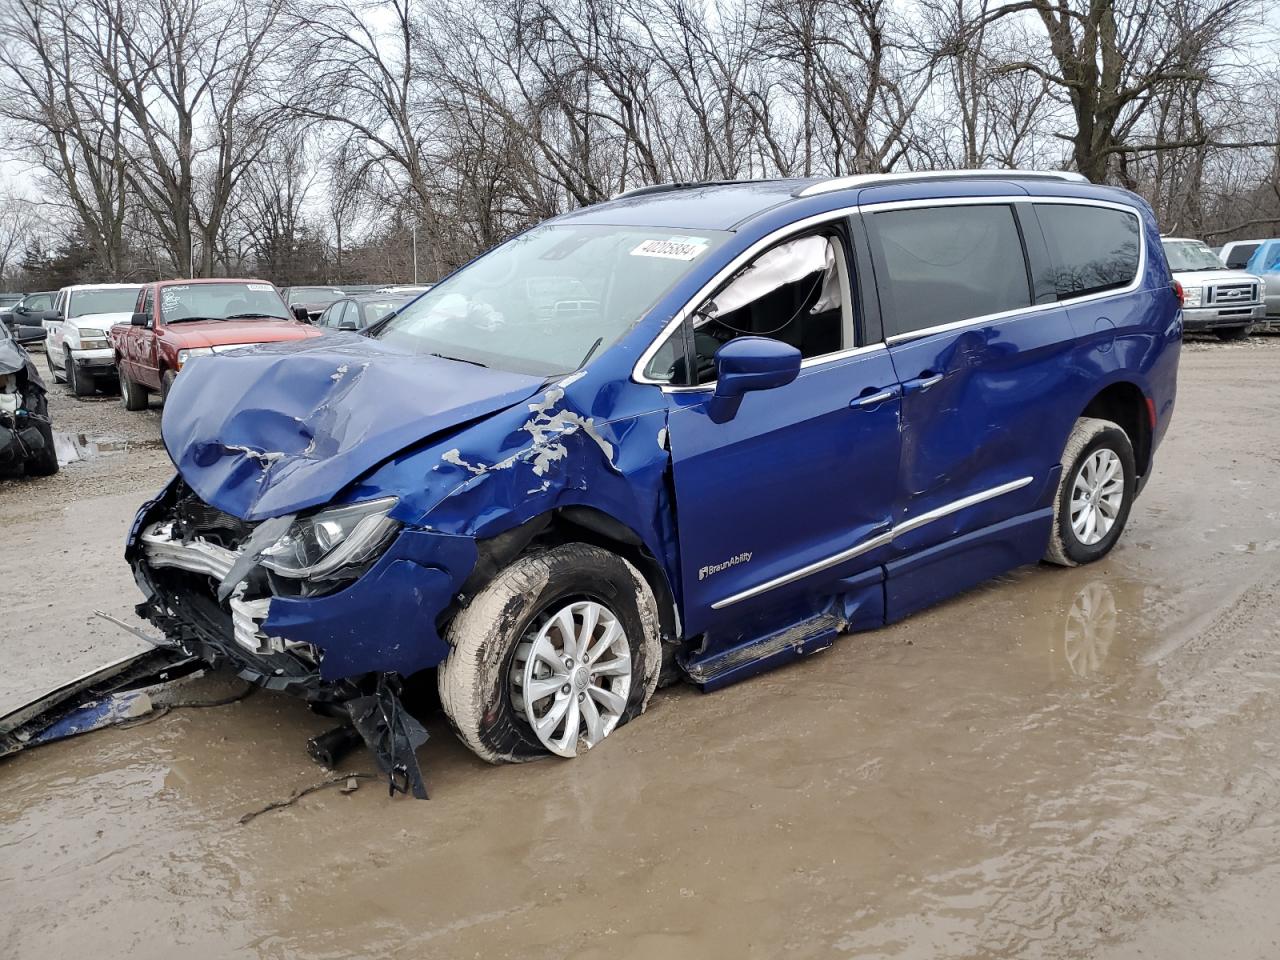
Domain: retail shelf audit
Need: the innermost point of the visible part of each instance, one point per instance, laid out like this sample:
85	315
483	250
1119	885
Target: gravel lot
1061	764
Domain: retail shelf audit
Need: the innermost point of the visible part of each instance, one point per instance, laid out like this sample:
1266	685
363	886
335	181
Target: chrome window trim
877	541
637	371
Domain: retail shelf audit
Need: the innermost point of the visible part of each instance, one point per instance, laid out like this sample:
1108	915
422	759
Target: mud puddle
1063	763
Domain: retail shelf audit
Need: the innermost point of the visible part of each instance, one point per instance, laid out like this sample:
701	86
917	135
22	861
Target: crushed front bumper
384	622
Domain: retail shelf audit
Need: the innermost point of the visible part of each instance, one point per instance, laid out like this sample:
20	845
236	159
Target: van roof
723	204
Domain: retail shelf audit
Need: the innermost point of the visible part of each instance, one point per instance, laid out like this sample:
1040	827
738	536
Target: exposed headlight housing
326	545
185	355
1192	296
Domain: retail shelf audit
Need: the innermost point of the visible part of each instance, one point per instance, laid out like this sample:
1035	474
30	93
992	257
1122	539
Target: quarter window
1093	249
939	265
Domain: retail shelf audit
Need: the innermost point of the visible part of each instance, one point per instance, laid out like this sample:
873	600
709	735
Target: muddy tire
1234	333
1095	493
166	384
53	371
134	396
79	384
478	681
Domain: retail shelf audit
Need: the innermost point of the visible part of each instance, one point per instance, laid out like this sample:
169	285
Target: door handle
923	382
873	399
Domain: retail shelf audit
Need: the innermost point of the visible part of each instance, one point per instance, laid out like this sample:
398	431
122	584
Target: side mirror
300	312
348	325
140	320
747	364
52	316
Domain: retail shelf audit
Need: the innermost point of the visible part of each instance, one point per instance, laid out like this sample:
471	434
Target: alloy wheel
1097	493
571	676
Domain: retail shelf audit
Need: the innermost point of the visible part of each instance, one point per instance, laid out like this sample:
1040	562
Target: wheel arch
1126	404
575	523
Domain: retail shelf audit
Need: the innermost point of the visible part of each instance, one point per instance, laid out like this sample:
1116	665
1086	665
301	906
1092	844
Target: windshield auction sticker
672	248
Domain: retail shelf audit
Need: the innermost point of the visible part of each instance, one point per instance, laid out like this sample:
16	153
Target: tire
132	395
45	463
491	636
166	383
53	371
1090	437
1234	333
79	384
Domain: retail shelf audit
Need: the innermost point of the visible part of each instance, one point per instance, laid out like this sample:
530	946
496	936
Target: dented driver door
795	491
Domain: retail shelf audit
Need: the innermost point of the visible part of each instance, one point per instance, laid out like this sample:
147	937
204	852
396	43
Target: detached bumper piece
393	736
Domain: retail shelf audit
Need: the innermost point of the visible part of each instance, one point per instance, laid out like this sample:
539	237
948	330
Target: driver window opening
796	292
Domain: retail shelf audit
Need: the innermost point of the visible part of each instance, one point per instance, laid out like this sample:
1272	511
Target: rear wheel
133	395
1234	333
557	652
1095	493
53	371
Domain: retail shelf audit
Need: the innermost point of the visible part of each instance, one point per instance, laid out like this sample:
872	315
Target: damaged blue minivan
695	431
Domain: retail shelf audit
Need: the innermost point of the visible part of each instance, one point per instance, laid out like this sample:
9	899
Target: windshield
221	301
552	298
1185	256
116	300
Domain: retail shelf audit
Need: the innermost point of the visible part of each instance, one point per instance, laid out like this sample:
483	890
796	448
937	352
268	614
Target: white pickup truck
76	346
1215	299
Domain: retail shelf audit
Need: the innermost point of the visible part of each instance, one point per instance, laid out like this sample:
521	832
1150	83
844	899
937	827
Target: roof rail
879	179
680	185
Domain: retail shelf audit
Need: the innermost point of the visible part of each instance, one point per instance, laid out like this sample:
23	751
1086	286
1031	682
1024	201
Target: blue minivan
696	431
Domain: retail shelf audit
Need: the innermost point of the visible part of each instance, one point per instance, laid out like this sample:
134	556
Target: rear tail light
1179	293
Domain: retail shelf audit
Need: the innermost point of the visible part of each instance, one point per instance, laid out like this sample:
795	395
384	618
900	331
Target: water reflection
1090	629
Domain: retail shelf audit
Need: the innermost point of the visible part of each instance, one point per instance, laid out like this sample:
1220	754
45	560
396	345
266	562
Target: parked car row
138	336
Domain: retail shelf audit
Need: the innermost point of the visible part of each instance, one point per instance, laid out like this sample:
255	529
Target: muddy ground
1065	763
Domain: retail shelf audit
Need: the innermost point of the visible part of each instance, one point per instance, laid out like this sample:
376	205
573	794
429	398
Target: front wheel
1235	333
1095	493
79	383
133	395
557	652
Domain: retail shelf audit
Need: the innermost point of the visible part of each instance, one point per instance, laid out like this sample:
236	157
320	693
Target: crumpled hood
286	426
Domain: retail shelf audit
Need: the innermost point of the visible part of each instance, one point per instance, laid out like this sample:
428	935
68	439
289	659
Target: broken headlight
327	545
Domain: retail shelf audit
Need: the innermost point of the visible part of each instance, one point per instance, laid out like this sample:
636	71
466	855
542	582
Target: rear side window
939	265
1238	256
1093	249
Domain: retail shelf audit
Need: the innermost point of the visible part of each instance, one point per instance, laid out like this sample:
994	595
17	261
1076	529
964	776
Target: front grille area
190	549
1234	294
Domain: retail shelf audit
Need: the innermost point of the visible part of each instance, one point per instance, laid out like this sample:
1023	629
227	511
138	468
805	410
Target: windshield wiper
475	363
594	347
185	319
253	316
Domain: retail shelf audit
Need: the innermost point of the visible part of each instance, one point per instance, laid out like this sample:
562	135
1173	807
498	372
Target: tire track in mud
1181	798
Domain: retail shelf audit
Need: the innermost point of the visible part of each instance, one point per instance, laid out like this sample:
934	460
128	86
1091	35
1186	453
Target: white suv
76	346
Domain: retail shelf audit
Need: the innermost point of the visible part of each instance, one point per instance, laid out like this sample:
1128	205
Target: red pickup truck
177	319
